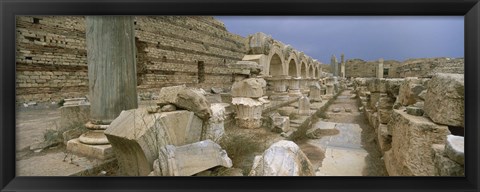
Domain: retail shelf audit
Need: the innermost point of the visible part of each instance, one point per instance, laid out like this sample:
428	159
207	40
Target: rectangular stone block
412	138
444	102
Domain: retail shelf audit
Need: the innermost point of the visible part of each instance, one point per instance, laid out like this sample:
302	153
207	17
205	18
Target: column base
101	152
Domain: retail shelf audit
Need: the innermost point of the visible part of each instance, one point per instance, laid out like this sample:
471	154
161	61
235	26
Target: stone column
294	87
334	65
342	66
380	68
111	74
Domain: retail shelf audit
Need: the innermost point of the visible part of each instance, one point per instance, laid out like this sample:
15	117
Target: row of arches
296	65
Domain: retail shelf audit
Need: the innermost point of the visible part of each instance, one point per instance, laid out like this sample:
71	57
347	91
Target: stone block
194	101
384	115
251	88
101	152
409	91
454	148
445	100
215	128
412	138
281	124
384	138
186	98
283	158
444	166
136	136
72	116
190	159
414	111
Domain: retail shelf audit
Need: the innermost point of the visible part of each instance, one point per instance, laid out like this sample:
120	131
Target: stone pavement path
349	150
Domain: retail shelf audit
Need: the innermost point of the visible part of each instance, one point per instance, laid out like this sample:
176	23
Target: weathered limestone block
384	138
377	85
72	116
248	112
454	148
194	101
445	103
251	87
373	100
385	102
136	136
412	138
384	115
409	91
281	124
286	111
283	158
444	166
393	86
304	106
416	111
190	159
168	108
168	95
186	98
330	89
315	92
215	128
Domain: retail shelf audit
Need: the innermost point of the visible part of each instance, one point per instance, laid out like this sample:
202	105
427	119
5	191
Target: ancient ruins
182	96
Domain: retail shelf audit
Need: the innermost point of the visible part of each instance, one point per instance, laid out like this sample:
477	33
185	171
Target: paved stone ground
350	151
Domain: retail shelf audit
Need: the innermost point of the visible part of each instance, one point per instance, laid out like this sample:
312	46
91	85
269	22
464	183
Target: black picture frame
470	9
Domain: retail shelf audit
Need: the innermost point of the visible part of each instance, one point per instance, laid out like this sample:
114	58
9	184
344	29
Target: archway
292	68
276	68
303	70
312	72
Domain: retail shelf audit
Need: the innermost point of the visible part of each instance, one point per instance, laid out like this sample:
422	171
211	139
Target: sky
363	37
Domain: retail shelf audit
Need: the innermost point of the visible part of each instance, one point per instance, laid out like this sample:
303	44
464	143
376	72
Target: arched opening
276	66
303	70
312	72
292	68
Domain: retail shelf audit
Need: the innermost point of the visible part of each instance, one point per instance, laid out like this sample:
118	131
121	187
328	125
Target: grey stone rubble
187	160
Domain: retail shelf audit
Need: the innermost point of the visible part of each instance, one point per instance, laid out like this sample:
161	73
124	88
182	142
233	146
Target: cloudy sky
367	37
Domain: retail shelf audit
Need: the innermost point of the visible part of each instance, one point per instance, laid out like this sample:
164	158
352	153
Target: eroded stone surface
251	87
190	159
136	136
454	148
444	102
412	138
283	158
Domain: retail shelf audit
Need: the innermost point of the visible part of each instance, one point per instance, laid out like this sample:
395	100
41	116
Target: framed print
239	95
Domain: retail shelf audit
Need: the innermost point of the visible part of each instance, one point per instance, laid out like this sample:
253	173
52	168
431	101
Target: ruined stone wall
361	68
421	67
429	66
413	115
51	55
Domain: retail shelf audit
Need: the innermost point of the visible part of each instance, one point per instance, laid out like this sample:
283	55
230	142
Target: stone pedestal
315	92
304	106
294	87
329	89
248	112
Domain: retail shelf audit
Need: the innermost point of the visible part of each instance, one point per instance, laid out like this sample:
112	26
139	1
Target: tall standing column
342	66
112	80
334	65
380	68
